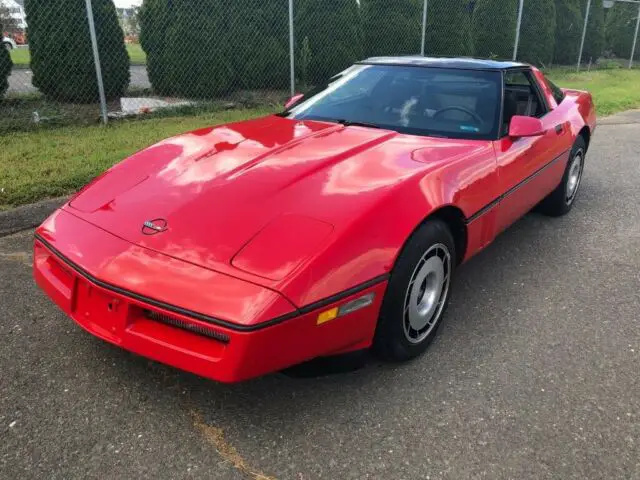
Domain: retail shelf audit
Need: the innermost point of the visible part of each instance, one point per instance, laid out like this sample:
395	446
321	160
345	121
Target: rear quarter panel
586	108
578	106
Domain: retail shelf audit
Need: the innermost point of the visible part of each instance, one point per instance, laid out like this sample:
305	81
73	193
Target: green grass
54	162
613	90
136	54
21	56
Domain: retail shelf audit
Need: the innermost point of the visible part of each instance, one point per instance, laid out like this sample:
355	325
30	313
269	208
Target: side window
521	97
558	94
515	78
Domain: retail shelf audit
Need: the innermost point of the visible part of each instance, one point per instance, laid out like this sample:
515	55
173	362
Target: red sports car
333	226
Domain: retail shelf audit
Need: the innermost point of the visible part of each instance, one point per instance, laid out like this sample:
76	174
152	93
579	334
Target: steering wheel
473	115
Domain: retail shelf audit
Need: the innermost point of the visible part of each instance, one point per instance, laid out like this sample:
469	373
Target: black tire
391	340
561	200
8	46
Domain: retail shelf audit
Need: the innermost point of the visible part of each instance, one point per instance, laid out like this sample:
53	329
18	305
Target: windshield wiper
350	123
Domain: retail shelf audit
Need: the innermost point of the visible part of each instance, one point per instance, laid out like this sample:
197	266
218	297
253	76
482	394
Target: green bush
449	28
594	40
537	32
5	70
391	30
569	25
305	60
61	54
196	56
620	27
335	36
494	27
206	48
259	41
155	20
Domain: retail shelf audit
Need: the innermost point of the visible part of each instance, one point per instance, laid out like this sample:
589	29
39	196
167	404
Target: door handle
559	129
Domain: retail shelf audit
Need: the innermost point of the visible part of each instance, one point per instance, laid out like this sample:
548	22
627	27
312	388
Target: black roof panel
461	63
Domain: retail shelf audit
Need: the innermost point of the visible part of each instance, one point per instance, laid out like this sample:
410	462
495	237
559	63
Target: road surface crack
22	257
215	437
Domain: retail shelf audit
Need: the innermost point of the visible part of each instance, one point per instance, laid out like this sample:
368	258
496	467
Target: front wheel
417	294
560	201
8	46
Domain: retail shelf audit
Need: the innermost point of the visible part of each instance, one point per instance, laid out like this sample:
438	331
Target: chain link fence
81	61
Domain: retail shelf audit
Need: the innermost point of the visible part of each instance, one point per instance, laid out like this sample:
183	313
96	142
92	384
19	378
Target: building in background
15	10
15	21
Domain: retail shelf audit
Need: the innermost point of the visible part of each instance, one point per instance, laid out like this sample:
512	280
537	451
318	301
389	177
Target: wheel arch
585	133
455	219
388	342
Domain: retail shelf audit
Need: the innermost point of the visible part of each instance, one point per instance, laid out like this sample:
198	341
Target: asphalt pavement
534	375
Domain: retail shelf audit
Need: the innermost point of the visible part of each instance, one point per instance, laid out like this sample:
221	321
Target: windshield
415	100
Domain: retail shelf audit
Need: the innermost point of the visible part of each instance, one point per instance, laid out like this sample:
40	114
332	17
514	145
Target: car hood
213	190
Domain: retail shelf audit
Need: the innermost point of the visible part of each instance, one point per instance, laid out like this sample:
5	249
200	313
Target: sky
127	3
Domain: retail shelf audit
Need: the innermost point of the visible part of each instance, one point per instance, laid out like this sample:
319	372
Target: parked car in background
9	43
336	225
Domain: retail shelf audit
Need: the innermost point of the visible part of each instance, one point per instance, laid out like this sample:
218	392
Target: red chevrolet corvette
336	225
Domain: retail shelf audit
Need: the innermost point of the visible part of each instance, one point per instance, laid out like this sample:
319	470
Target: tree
537	32
259	43
449	28
6	64
207	48
305	60
594	40
61	53
335	36
620	27
155	19
391	30
494	28
197	49
5	69
569	24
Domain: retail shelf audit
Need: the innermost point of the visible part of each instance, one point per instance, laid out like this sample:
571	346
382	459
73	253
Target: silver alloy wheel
574	177
426	293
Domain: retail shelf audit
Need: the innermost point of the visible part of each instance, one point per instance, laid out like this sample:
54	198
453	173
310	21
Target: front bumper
219	352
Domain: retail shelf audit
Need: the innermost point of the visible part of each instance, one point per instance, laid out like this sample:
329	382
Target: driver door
529	168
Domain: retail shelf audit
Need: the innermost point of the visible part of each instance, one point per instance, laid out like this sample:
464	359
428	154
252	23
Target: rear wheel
8	46
561	200
417	294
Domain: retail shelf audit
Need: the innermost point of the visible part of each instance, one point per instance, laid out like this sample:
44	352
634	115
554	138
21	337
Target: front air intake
185	325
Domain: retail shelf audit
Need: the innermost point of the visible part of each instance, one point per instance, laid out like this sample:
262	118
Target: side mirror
293	100
521	126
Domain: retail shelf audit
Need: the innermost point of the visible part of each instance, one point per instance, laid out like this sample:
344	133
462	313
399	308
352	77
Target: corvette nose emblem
151	227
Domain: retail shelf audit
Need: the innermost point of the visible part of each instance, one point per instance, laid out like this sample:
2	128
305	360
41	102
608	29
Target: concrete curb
28	216
623	118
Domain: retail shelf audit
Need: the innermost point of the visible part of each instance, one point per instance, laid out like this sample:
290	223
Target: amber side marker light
349	307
